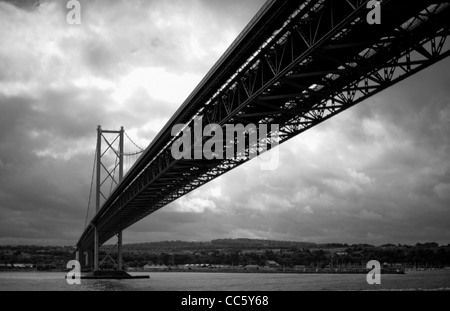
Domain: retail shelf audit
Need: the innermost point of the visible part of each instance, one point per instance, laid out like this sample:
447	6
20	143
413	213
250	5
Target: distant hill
217	244
255	244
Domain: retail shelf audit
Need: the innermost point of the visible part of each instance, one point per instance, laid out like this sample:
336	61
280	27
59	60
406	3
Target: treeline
356	256
243	252
41	257
249	244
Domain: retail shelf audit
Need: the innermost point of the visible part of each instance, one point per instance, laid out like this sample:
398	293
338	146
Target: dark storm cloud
377	173
58	82
28	5
44	186
44	200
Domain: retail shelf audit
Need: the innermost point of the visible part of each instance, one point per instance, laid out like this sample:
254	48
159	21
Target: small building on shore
156	267
272	264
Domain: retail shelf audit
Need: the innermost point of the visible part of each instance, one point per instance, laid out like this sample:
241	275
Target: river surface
179	281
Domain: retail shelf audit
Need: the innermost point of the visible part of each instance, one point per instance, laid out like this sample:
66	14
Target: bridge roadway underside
296	64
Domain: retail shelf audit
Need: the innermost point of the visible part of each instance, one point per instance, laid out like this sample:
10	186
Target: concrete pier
111	275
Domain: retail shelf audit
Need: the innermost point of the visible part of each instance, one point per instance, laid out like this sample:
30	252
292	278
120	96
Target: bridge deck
296	64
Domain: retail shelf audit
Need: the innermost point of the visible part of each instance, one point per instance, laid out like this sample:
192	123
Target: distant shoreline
236	271
272	271
251	271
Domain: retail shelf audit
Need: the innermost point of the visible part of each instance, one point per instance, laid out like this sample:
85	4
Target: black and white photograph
225	150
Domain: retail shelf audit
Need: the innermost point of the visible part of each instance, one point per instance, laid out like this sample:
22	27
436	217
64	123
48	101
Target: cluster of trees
43	258
417	256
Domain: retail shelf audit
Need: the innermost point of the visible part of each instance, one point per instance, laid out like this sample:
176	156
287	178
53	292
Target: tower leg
90	259
96	250
119	251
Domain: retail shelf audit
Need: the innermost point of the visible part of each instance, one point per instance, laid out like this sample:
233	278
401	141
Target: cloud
369	215
308	210
374	173
158	83
128	63
28	5
442	191
195	205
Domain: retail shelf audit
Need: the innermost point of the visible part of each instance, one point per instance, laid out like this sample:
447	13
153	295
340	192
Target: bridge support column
80	256
89	260
119	251
119	235
96	250
77	256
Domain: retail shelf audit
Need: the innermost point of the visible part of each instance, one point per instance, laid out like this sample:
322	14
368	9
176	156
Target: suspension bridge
296	64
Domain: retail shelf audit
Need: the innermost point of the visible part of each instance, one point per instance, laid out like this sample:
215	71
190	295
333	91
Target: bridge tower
99	183
111	140
110	172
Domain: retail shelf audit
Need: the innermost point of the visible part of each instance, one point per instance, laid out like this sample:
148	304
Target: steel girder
322	60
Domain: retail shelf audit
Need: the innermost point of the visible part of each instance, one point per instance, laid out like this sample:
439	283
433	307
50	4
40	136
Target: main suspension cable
141	149
90	192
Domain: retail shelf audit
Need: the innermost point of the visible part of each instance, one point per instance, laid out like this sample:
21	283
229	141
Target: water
178	281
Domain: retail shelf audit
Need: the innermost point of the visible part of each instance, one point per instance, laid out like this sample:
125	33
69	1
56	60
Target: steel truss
323	59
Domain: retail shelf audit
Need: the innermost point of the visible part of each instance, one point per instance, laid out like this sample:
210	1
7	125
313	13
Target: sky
377	173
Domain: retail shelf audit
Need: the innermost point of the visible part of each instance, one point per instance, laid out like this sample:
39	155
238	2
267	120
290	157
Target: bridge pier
82	257
88	260
119	251
96	249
